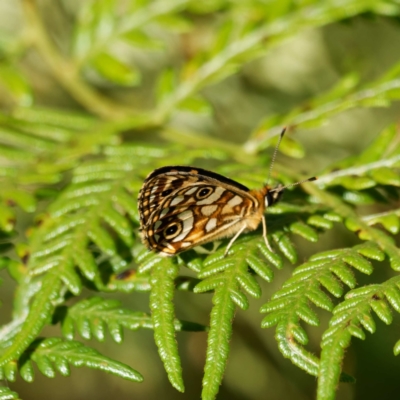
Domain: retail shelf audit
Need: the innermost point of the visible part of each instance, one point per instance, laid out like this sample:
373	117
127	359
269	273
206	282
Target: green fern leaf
292	303
83	173
228	277
8	394
348	320
40	312
54	354
164	271
92	315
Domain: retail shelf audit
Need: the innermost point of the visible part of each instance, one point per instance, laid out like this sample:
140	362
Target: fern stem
323	111
329	370
360	170
382	214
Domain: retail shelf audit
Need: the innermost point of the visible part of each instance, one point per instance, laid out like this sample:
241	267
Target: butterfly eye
203	193
166	192
172	230
272	197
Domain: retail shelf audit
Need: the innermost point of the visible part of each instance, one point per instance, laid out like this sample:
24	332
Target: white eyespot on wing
188	219
208	210
211	224
192	190
234	201
176	200
213	197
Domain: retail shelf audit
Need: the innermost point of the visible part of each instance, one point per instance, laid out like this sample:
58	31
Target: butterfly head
273	195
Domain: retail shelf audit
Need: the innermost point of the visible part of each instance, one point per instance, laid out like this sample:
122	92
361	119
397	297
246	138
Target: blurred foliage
96	94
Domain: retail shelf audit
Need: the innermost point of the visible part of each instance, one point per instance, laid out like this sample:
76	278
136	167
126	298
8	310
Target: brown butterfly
183	207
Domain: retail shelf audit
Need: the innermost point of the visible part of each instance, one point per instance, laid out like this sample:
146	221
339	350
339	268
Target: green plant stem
360	170
382	214
329	109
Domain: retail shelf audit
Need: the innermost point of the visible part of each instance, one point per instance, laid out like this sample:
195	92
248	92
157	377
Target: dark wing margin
197	171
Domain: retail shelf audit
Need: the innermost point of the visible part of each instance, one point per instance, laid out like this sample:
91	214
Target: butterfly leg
264	224
233	239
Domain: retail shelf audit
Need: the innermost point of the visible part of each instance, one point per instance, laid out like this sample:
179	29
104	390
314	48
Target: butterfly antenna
281	188
275	153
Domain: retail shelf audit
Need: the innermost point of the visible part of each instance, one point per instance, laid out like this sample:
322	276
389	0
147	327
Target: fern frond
33	148
163	273
92	316
54	354
292	304
244	253
128	281
227	59
8	394
349	319
229	278
91	43
390	220
380	93
224	301
356	223
306	221
84	172
30	324
20	149
61	243
370	170
376	165
102	192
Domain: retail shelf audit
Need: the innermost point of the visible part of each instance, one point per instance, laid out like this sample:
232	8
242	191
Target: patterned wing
182	207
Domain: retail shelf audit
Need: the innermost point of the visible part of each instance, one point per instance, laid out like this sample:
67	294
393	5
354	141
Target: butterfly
181	207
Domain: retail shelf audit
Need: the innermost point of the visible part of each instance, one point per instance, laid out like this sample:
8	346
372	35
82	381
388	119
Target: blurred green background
289	75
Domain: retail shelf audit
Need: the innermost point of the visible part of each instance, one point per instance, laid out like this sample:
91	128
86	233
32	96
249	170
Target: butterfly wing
183	207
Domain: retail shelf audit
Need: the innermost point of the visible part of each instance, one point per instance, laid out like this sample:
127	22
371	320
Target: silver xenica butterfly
183	207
